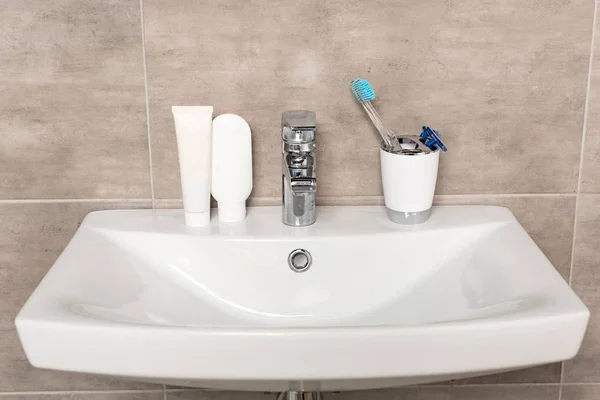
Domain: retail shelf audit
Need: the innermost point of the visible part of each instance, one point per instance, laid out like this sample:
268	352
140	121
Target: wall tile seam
147	99
583	137
437	385
156	200
174	390
428	386
437	196
579	177
80	392
76	201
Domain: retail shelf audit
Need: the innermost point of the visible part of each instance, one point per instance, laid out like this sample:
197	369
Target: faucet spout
298	165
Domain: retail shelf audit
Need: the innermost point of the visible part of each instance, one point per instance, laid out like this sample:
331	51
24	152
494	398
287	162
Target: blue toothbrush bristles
362	90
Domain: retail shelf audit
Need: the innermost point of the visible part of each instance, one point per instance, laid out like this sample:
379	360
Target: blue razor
431	138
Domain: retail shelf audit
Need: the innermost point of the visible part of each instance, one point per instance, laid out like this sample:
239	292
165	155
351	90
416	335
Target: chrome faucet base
408	218
300	203
299	181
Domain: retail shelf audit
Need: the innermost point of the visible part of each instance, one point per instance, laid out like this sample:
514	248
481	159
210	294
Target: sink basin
137	294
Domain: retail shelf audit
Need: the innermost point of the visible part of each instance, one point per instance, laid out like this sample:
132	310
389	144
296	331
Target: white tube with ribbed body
231	166
193	128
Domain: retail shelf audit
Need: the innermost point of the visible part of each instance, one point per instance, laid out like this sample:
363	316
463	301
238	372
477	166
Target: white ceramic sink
138	294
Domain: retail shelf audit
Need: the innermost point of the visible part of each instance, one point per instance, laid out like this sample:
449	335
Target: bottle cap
197	219
232	212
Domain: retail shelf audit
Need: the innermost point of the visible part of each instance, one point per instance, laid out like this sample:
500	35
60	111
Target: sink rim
172	222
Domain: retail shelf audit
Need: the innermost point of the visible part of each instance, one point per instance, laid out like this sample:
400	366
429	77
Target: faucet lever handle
299	119
298	126
303	185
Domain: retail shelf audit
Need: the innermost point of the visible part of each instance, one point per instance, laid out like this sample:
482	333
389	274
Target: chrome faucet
299	179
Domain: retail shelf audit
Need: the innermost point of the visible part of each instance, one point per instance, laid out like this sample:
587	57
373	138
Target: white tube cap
232	212
197	219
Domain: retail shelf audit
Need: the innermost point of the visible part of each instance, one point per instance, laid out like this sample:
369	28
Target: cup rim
382	148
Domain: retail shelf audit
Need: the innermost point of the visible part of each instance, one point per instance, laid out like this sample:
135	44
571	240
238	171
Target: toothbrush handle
377	124
388	131
388	136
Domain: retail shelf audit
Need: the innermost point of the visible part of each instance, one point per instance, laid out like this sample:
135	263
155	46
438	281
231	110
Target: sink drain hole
299	260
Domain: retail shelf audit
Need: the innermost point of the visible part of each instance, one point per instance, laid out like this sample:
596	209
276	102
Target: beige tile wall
506	83
72	100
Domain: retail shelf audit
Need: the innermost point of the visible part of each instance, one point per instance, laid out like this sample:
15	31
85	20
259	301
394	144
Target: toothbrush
364	94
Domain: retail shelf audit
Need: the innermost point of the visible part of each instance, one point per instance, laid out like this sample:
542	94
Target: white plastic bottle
231	166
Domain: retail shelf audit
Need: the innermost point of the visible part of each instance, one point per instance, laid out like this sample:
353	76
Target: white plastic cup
408	185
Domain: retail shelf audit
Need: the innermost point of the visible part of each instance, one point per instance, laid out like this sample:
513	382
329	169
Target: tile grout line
560	384
515	384
437	386
147	102
585	117
468	385
427	386
51	201
269	198
278	198
554	194
165	390
76	392
185	389
579	178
